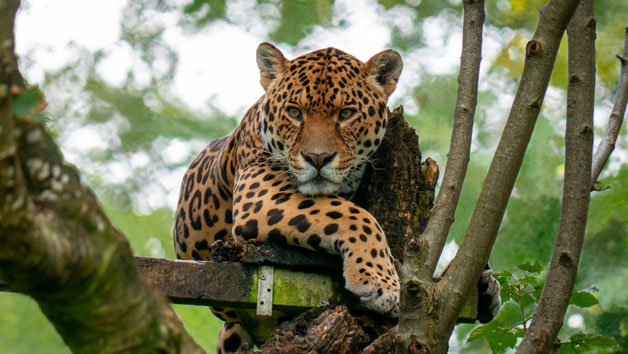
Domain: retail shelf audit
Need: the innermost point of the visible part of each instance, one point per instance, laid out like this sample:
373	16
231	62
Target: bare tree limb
549	315
442	215
57	246
482	231
419	301
607	144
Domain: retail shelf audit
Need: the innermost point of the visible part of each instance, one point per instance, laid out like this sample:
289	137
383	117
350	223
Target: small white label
265	291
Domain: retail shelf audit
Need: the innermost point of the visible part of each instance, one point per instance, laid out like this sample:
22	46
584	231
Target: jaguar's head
324	114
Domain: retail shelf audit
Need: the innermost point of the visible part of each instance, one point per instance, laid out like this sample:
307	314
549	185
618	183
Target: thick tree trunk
397	188
57	245
324	330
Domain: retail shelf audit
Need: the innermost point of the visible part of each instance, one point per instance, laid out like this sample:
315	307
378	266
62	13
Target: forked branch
422	252
481	233
549	315
442	215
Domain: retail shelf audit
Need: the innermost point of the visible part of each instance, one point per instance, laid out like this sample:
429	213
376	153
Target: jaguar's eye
346	114
294	113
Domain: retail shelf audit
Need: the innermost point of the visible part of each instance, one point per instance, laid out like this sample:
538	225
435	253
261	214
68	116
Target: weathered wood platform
234	284
300	280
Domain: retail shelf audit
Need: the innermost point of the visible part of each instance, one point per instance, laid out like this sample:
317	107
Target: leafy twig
607	144
521	308
549	315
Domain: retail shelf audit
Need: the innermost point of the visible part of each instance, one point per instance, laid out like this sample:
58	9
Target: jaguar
287	173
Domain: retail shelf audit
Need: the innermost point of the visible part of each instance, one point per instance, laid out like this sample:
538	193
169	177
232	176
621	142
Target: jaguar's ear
385	67
271	63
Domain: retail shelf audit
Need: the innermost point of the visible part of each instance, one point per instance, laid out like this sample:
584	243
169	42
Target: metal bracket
265	291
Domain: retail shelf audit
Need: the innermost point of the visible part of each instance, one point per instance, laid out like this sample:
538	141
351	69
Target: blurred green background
131	111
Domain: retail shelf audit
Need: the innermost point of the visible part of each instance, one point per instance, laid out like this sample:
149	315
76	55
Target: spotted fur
287	172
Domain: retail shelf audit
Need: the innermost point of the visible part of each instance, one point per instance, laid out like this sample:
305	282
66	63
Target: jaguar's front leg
268	207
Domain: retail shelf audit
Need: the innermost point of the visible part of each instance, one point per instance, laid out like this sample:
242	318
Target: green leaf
498	337
503	277
583	299
25	103
530	280
531	268
508	292
592	338
519	332
537	294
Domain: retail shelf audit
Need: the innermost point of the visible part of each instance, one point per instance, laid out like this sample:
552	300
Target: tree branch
442	215
418	297
8	65
57	246
549	315
607	144
481	233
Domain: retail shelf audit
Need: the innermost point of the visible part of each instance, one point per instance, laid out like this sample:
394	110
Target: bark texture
481	233
57	246
607	144
460	146
561	275
397	188
324	330
419	301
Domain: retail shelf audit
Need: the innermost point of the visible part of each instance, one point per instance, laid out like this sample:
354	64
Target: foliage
603	261
497	335
294	28
521	294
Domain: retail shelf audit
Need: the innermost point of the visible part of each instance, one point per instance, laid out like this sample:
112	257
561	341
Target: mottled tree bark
607	144
561	275
322	330
481	233
420	295
397	188
57	246
443	213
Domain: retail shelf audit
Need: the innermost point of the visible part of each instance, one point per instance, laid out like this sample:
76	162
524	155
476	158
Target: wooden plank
233	284
201	283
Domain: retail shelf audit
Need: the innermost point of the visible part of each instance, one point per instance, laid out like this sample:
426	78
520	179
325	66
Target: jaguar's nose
318	160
